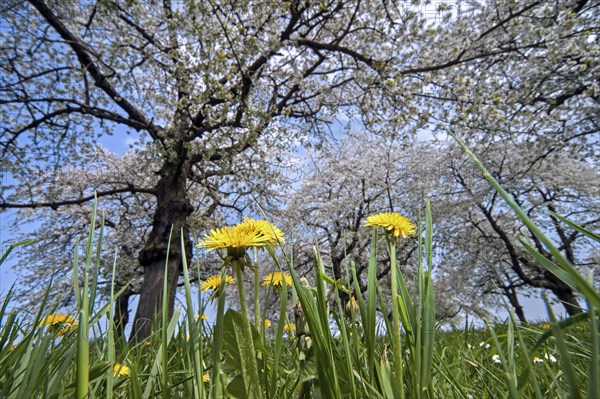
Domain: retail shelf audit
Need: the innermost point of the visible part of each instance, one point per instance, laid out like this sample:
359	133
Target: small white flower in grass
550	358
482	344
469	346
496	359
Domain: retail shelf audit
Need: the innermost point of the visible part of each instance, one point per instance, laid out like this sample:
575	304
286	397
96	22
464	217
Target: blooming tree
210	88
557	183
477	253
342	185
532	115
217	90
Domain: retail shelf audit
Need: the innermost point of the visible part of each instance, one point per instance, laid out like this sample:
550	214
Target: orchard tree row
312	110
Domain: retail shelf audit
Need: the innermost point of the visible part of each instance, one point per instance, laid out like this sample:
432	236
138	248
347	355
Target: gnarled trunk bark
121	314
172	210
514	301
565	295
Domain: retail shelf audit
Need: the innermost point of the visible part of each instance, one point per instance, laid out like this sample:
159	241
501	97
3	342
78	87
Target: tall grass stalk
397	306
218	337
164	370
196	334
83	349
110	334
565	357
594	372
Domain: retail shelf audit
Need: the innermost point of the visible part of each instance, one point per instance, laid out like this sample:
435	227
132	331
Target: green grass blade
13	246
549	265
321	338
196	338
76	288
427	325
164	370
577	227
278	344
345	343
83	356
158	362
506	366
428	234
528	355
83	345
594	373
218	338
96	271
370	323
562	324
565	357
110	333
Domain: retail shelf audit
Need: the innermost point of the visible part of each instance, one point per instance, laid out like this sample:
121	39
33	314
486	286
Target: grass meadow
317	348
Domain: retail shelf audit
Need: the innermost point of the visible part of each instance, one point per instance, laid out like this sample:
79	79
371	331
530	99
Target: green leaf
239	351
565	357
13	246
577	227
594	373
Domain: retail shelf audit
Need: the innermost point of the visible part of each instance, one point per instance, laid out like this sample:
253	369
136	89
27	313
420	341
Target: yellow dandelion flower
289	327
205	377
545	326
272	234
67	329
214	282
237	237
393	222
276	280
120	370
61	323
267	323
537	360
57	318
204	317
352	307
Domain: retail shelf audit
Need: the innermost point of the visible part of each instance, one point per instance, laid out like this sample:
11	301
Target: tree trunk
121	315
172	210
514	301
336	266
566	296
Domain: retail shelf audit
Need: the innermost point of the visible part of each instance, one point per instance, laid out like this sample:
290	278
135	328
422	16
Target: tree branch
81	50
56	204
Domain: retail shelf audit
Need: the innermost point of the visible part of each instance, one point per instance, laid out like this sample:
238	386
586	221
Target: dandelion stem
252	380
396	343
